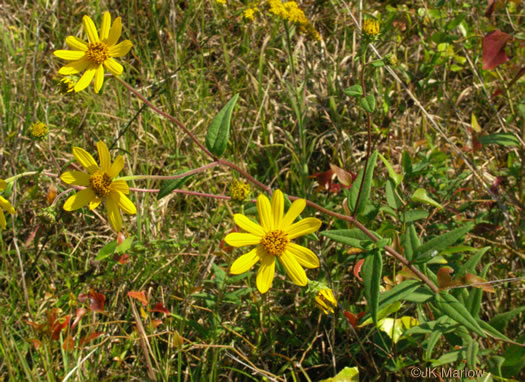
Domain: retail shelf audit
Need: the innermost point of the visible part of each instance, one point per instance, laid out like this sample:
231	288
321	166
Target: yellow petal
115	31
2	219
293	269
245	262
116	167
79	200
120	49
74	67
237	239
295	210
94	203
103	156
6	205
121	186
304	256
70	55
113	67
90	29
85	159
99	78
86	78
115	220
124	203
76	43
277	208
3	185
78	178
303	227
266	273
249	226
106	24
265	212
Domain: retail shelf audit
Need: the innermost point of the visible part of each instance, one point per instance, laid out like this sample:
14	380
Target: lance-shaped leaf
169	185
371	271
451	307
219	130
435	245
367	185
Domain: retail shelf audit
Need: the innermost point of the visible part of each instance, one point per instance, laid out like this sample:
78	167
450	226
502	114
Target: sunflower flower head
99	185
273	240
239	190
371	27
66	85
4	205
325	300
96	54
39	130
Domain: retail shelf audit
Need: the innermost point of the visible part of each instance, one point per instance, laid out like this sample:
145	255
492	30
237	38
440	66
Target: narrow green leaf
354	91
391	197
219	130
367	185
397	178
420	296
410	242
433	246
500	321
125	245
420	195
413	215
371	273
169	185
432	341
451	307
348	374
502	139
352	237
368	103
491	330
450	357
472	354
106	251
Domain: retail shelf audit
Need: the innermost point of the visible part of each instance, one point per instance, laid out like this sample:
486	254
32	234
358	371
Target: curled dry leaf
494	49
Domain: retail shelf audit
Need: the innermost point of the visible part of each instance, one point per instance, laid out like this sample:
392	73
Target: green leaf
420	296
106	251
472	354
502	139
368	103
220	276
420	195
348	374
367	185
413	215
433	246
392	198
432	341
219	130
354	91
125	245
397	178
169	185
382	313
410	242
500	321
371	274
352	237
447	358
451	307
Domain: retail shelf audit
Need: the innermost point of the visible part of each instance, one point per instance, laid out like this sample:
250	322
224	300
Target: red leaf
494	49
478	282
324	179
89	337
443	277
357	269
345	178
496	93
141	296
36	343
78	316
156	323
124	259
160	308
352	318
69	344
96	300
57	327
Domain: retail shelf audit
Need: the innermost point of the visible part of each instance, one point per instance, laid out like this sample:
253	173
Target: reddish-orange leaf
51	194
34	325
78	316
69	344
89	337
96	300
58	326
160	308
352	318
357	269
345	178
141	296
477	281
156	323
444	278
36	343
494	49
324	179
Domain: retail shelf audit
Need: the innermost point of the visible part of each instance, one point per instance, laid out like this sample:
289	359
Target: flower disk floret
273	239
100	185
96	54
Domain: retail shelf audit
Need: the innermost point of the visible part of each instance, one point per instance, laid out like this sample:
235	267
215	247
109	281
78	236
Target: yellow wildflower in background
39	130
325	300
66	85
223	2
273	240
99	185
294	13
96	54
249	14
277	8
291	12
4	205
371	27
239	190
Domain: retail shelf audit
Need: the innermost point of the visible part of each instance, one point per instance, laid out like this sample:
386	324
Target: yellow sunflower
96	54
4	205
99	185
273	240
